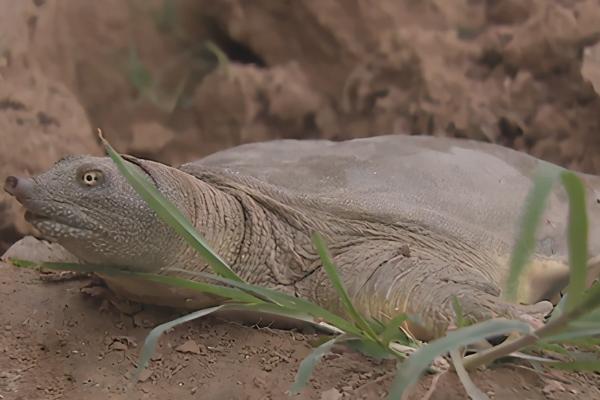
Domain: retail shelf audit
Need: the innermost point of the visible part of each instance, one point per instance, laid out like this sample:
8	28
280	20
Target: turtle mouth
56	227
36	218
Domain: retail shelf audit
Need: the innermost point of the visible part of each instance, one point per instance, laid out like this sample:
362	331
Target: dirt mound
502	71
217	74
40	120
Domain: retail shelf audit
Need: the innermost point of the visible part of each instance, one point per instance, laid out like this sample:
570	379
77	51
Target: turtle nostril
10	184
21	188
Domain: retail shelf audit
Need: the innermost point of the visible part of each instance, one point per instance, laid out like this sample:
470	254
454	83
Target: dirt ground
174	80
58	343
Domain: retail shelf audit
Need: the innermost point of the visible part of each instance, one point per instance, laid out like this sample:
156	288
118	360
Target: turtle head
87	206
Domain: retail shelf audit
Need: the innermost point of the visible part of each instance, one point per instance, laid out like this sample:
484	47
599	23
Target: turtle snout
20	188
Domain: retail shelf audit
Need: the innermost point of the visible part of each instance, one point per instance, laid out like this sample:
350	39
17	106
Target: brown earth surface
174	80
58	343
504	71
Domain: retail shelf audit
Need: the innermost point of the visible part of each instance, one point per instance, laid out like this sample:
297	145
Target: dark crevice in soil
9	104
8	236
236	51
509	131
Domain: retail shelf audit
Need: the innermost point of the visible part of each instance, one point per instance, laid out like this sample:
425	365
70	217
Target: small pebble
553	386
331	394
188	347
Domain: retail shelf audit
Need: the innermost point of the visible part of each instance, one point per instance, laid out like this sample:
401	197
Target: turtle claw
535	314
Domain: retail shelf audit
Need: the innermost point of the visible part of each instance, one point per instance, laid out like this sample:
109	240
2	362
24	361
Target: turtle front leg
389	281
426	289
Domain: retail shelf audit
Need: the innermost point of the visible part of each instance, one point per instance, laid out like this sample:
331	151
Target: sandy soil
523	74
58	343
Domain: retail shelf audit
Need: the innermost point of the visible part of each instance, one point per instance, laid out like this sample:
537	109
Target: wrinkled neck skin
257	243
218	217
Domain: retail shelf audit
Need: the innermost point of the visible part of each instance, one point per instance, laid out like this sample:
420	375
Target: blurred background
174	80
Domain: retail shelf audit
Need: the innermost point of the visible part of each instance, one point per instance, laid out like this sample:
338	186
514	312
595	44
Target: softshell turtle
411	222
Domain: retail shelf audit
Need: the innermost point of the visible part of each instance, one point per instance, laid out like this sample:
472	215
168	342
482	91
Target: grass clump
169	84
575	320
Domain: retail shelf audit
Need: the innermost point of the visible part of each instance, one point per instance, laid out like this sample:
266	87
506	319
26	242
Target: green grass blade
559	309
541	345
204	287
67	266
591	344
149	346
288	305
285	300
308	365
411	369
19	263
139	76
577	238
392	330
591	317
336	281
574	333
590	365
274	309
458	311
584	328
525	243
169	213
165	18
473	391
529	357
222	59
371	349
591	299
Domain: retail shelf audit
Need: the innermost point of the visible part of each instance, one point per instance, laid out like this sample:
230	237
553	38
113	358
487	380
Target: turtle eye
92	178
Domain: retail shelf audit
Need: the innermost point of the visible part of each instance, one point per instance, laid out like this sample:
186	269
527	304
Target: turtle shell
471	190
